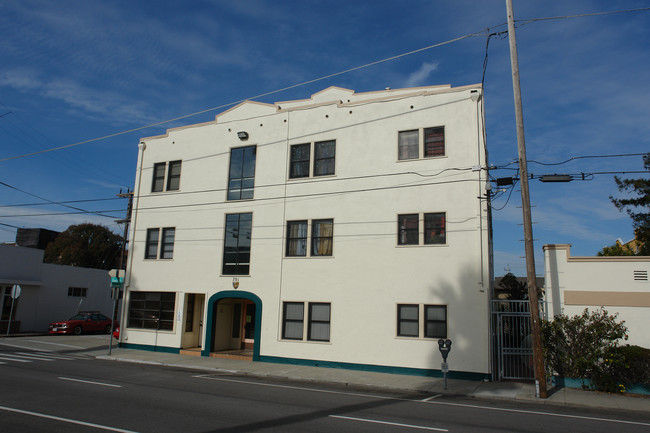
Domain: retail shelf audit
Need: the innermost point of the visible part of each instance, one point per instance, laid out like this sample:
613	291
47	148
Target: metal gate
513	352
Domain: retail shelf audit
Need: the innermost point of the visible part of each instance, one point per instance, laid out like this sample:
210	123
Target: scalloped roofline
388	93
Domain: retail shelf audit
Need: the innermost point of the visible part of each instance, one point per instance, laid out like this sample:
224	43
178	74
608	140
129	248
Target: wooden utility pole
538	356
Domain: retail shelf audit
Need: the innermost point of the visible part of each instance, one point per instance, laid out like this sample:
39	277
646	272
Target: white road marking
68	420
90	382
431	398
498	409
19	346
54	344
49	355
387	423
13	359
28	356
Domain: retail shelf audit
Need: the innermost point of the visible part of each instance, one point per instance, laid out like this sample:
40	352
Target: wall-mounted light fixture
243	135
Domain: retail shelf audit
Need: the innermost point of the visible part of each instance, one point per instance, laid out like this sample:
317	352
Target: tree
516	290
85	245
640	189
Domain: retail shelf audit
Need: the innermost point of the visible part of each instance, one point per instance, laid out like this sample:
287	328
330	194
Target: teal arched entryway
212	316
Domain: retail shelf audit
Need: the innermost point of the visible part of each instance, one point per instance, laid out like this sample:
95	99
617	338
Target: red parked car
84	322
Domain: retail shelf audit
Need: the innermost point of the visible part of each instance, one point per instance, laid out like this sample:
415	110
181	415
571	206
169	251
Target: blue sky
74	71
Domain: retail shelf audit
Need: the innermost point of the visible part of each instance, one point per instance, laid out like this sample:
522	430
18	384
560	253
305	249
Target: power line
53	202
367	65
532	20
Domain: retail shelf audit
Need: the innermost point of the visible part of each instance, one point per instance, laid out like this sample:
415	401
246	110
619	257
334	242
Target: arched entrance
234	320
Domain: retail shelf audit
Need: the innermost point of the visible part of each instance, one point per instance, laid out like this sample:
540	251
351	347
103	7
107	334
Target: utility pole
538	357
126	221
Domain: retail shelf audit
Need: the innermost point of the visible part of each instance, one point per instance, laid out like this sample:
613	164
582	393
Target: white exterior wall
576	283
44	288
368	273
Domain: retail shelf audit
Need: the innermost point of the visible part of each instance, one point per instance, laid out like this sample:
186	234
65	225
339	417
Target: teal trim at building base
465	375
149	348
578	383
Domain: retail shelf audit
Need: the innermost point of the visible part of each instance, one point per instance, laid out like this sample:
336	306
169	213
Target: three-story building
348	230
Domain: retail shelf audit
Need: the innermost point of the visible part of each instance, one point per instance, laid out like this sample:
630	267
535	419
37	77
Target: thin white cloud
420	77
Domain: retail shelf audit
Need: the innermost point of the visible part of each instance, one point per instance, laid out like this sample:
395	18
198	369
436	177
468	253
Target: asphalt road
57	387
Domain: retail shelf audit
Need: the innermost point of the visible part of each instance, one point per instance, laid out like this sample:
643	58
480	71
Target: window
299	166
292	326
173	176
237	244
433	143
434	228
189	317
434	324
152	310
408	232
241	178
322	238
324	156
79	292
435	321
166	244
297	238
408	320
434	233
7	301
318	323
324	159
158	177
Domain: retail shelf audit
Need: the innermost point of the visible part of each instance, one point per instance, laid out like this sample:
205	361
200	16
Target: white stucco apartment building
619	284
348	230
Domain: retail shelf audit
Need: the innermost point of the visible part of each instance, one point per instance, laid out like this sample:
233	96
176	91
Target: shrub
586	347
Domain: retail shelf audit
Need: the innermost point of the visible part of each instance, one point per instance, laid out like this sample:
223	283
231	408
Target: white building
349	230
48	292
618	284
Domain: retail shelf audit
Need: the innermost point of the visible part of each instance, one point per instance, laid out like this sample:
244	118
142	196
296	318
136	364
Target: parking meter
445	348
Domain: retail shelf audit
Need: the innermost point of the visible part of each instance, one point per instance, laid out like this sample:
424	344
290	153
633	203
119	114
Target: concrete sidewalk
513	391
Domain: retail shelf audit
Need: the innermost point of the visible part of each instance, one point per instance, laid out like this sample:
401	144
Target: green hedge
587	346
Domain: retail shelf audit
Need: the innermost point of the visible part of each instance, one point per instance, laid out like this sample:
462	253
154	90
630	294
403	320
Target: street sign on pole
15	293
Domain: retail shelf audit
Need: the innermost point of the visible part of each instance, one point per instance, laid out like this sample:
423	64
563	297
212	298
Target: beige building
618	284
347	229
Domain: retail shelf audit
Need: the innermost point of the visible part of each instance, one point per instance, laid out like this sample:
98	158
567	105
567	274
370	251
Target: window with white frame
166	176
422	229
431	141
316	327
324	159
433	324
320	240
160	245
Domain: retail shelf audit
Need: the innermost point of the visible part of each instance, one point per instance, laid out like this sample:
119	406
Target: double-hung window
324	159
241	177
433	325
320	242
237	244
171	172
410	142
433	233
317	326
160	247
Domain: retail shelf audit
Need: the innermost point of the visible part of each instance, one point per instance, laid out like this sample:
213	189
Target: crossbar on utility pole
538	357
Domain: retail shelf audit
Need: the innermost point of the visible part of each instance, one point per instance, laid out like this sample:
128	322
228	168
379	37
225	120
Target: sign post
445	347
15	293
116	287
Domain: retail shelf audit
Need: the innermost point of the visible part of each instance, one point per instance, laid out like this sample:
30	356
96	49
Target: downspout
127	276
